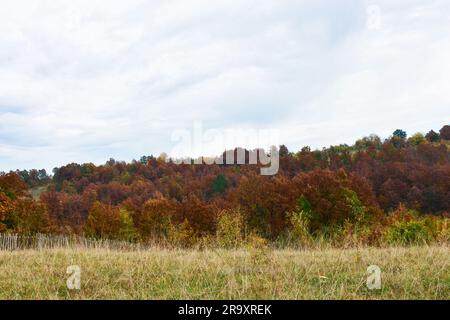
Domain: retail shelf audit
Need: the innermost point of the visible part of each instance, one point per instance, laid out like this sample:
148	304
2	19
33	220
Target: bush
181	235
442	227
356	234
256	243
409	232
127	231
229	229
298	233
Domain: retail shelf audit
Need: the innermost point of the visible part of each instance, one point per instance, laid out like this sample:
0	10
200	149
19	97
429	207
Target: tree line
373	190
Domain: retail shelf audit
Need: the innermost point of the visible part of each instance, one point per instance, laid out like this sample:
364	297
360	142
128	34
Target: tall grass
252	273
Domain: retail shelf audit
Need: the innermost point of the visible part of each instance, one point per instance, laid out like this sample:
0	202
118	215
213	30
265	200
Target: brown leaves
12	185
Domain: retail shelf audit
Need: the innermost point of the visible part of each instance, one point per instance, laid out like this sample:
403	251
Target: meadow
414	272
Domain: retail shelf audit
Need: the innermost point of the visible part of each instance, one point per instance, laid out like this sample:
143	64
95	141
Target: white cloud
88	80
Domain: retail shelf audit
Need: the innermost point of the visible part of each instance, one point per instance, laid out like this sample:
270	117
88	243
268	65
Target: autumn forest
373	192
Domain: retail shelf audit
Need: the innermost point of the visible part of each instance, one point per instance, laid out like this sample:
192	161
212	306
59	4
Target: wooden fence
11	242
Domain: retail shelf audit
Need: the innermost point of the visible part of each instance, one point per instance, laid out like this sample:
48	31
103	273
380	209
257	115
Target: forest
374	192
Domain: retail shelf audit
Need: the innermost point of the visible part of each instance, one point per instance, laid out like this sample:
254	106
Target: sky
88	80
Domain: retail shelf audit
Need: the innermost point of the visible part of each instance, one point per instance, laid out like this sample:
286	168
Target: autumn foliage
372	191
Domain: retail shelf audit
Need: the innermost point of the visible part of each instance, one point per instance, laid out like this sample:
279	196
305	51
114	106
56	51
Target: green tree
399	133
220	184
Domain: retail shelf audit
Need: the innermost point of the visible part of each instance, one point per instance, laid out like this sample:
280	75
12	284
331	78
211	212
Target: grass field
406	273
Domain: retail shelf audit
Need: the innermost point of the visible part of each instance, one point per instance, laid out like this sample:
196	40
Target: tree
445	132
34	178
265	201
392	192
416	139
6	209
156	197
367	142
200	215
12	185
432	136
329	198
103	221
220	183
399	133
229	228
23	216
284	151
154	219
31	217
127	231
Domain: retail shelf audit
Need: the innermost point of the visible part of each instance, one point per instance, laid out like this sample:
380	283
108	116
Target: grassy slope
407	273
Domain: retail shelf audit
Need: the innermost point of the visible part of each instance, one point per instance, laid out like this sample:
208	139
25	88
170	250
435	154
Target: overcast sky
86	80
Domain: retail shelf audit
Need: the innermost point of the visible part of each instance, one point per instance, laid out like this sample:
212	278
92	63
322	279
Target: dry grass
407	273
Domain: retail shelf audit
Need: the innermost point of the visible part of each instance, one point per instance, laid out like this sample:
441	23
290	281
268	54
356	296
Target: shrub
409	232
256	242
299	228
229	229
443	230
127	231
181	235
404	227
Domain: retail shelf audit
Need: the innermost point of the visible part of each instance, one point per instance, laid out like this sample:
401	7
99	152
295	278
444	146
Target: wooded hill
367	183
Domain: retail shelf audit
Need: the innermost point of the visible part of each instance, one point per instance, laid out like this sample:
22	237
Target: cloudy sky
86	80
